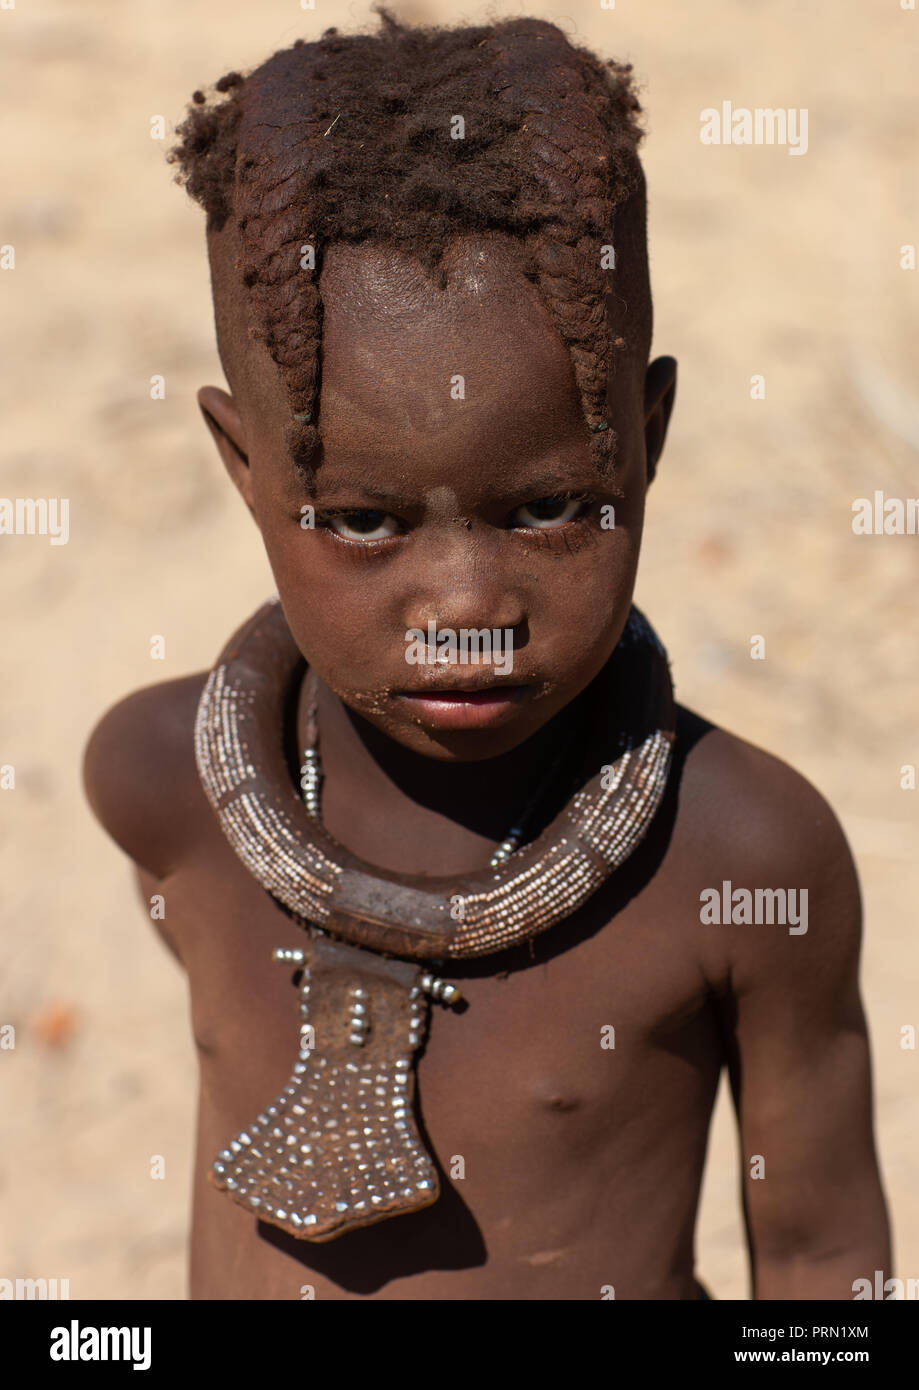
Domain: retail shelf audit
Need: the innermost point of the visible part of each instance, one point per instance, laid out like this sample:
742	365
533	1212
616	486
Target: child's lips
463	709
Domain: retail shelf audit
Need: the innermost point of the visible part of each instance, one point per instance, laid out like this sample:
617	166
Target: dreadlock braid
349	139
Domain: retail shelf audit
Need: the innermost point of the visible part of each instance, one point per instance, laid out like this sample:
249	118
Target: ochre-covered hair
352	138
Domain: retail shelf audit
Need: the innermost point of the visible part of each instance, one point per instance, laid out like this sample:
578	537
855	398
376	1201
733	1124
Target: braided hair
353	137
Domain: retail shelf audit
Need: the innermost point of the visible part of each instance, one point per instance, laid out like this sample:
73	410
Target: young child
531	908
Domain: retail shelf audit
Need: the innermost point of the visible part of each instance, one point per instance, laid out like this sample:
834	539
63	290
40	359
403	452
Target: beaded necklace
339	1147
311	779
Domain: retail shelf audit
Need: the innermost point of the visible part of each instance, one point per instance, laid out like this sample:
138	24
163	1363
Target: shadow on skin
363	1261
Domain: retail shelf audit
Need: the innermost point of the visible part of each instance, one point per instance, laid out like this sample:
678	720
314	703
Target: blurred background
763	264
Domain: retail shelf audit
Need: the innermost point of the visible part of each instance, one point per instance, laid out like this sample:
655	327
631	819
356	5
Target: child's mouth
463	709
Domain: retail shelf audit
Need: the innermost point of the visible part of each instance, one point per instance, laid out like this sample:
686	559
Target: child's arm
151	890
799	1065
141	783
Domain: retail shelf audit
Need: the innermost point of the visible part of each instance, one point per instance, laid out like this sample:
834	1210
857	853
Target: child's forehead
388	281
401	346
381	308
380	304
378	288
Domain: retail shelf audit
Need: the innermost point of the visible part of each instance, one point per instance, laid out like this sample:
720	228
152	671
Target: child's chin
472	743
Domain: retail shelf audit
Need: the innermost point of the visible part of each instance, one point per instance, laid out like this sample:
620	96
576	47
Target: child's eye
544	513
362	525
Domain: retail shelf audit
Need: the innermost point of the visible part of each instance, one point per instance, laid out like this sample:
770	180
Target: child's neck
412	814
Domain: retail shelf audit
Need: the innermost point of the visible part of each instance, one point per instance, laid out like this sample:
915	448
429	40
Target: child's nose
467	609
470	597
461	582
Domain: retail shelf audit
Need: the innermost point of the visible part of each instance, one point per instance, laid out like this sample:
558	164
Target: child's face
456	489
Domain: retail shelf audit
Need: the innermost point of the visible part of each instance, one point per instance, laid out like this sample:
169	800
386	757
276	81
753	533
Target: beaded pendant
339	1147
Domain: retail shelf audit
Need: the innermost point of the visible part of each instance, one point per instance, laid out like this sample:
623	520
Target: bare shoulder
139	773
749	801
748	823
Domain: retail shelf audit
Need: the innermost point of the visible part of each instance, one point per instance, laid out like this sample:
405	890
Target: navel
561	1103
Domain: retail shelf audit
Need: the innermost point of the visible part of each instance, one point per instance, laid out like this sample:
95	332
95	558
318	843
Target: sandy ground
763	263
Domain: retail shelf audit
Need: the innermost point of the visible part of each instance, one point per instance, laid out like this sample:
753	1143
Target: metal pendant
339	1147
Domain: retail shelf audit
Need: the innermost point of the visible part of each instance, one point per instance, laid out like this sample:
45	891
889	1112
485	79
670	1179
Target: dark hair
349	138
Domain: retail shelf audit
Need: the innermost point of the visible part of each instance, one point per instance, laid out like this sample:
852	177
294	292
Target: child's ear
223	420
660	389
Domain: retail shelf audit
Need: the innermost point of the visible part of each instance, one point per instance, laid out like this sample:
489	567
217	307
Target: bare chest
552	1051
561	1091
